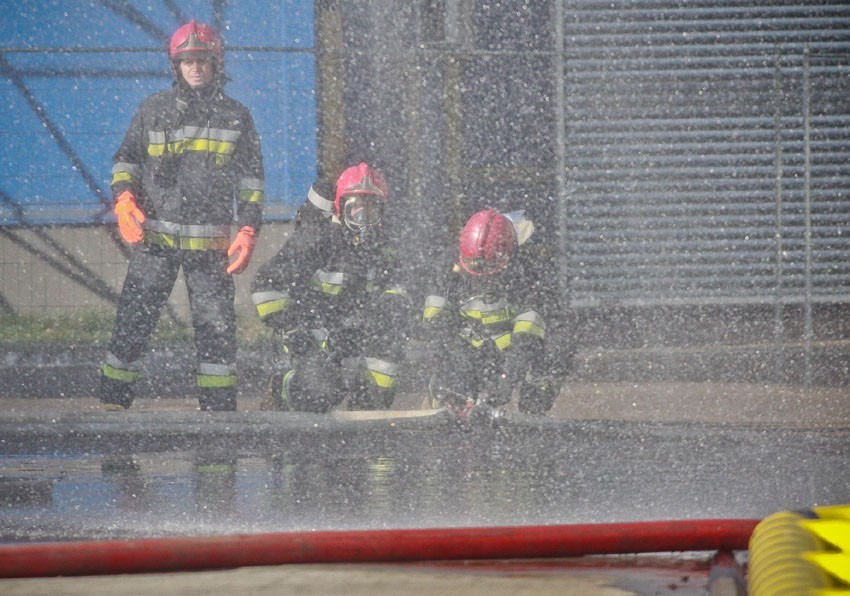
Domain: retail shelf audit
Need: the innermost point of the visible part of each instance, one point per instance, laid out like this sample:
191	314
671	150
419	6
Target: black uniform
188	156
342	317
487	336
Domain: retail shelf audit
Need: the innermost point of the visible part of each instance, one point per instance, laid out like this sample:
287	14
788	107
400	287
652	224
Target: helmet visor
484	266
362	211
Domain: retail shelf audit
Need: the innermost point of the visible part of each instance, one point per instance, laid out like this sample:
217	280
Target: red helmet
360	196
196	38
487	243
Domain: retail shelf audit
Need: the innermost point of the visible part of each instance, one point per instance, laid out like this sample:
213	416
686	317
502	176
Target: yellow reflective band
159	238
251	196
530	328
489	318
197	145
216	381
432	312
499	316
382	380
272	306
122	177
503	341
327	282
117	374
203	146
209	146
204	243
331	289
184	243
326	288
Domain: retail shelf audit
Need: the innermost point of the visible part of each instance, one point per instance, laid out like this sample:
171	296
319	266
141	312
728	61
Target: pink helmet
196	38
359	203
487	243
359	180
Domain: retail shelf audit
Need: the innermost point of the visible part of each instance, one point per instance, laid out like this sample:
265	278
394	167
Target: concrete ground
520	579
718	403
786	406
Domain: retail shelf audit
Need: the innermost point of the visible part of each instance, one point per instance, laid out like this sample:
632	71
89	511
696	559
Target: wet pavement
69	471
80	475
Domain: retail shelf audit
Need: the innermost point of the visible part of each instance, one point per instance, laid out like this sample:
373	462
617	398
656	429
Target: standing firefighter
485	323
330	295
188	152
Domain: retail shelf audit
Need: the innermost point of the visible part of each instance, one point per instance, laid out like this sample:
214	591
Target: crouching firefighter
484	322
331	297
188	151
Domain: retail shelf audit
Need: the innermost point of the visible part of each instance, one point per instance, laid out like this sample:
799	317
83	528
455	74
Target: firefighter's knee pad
309	395
375	384
314	386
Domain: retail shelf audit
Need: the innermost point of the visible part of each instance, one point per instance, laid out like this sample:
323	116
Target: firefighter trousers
150	279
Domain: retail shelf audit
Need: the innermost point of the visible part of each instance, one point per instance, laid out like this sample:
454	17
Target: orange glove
243	244
130	217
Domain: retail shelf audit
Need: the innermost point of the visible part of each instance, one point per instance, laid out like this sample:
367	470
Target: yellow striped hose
801	553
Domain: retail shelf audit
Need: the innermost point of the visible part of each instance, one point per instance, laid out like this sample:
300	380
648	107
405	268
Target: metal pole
807	307
561	148
778	327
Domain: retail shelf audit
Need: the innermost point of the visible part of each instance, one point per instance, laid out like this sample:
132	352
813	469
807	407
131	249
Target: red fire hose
513	542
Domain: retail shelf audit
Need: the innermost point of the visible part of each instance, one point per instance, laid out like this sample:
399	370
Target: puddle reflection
586	474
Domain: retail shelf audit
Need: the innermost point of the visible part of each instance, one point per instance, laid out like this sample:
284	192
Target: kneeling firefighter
330	294
484	322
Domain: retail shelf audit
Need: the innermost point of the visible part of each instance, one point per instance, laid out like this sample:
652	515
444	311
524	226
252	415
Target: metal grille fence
707	152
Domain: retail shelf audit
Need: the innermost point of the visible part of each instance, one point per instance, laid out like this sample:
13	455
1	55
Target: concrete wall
37	278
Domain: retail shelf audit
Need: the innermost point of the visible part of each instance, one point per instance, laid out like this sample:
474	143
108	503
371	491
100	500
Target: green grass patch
78	327
96	327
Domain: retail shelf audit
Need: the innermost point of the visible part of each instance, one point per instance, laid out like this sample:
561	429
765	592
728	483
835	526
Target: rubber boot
115	395
221	399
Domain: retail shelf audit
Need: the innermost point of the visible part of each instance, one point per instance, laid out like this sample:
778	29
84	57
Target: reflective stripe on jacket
186	156
186	236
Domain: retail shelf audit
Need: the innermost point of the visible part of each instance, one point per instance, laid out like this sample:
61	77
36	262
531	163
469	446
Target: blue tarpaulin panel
73	74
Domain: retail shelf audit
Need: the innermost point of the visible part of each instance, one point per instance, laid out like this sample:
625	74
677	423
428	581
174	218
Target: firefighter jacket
503	313
187	156
344	296
319	279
